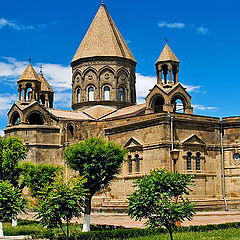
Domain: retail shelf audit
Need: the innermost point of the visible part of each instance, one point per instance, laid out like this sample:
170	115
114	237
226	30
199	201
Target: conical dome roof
45	86
103	39
29	74
167	55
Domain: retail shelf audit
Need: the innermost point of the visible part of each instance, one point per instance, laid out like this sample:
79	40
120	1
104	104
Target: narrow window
121	94
91	94
198	157
106	93
78	95
70	132
137	163
129	164
189	161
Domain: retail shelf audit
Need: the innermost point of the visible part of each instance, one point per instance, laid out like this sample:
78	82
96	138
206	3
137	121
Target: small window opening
198	158
137	163
130	164
78	96
70	132
121	94
189	161
106	93
91	94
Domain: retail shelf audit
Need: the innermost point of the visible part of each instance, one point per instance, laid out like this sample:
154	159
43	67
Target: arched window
198	157
15	119
129	164
35	119
91	94
42	99
29	93
121	94
158	104
78	95
106	93
70	132
137	160
189	161
178	105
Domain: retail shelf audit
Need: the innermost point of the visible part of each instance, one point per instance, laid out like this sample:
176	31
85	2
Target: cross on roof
29	59
40	68
166	40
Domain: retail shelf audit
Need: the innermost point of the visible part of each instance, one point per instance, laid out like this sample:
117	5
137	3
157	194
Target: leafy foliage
155	199
61	201
11	201
35	177
97	160
12	151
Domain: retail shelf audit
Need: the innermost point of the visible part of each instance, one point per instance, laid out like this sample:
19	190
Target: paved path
201	218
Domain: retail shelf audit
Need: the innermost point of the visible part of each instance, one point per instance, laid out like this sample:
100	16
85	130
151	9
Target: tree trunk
86	221
170	233
1	229
14	221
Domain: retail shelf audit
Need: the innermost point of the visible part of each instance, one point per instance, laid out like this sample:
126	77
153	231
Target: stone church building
161	133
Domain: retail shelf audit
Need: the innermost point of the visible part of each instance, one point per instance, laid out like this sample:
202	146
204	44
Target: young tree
12	151
98	161
61	201
11	202
155	199
36	177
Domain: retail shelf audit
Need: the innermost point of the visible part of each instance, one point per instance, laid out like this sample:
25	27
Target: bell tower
28	85
103	68
168	95
167	67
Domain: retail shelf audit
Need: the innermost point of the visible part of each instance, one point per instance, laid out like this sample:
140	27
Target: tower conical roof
167	55
45	86
103	39
29	74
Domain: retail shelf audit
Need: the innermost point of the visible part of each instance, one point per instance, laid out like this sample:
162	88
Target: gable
194	140
132	143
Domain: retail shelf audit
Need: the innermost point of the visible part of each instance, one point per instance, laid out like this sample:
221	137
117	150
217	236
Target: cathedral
163	132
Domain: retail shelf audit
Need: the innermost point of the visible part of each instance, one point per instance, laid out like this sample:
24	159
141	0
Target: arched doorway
158	104
35	119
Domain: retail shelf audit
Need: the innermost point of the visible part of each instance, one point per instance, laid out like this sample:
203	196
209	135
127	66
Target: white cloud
203	30
63	100
13	24
191	88
6	101
59	76
203	108
143	85
1	133
172	25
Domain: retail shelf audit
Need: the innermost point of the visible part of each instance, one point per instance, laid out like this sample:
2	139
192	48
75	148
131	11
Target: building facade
104	105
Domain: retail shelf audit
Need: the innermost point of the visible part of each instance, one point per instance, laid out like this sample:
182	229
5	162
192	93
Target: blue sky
204	35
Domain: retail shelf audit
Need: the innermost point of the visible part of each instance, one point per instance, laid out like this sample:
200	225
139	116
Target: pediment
178	88
194	140
133	143
156	90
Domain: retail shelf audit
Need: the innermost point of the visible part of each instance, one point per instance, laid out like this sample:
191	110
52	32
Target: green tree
36	177
12	151
11	202
155	199
61	201
98	161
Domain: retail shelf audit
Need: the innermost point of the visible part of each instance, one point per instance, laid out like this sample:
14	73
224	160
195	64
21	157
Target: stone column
46	101
170	75
33	94
160	77
19	94
24	94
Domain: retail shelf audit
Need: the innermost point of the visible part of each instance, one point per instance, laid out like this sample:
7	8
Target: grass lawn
222	234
